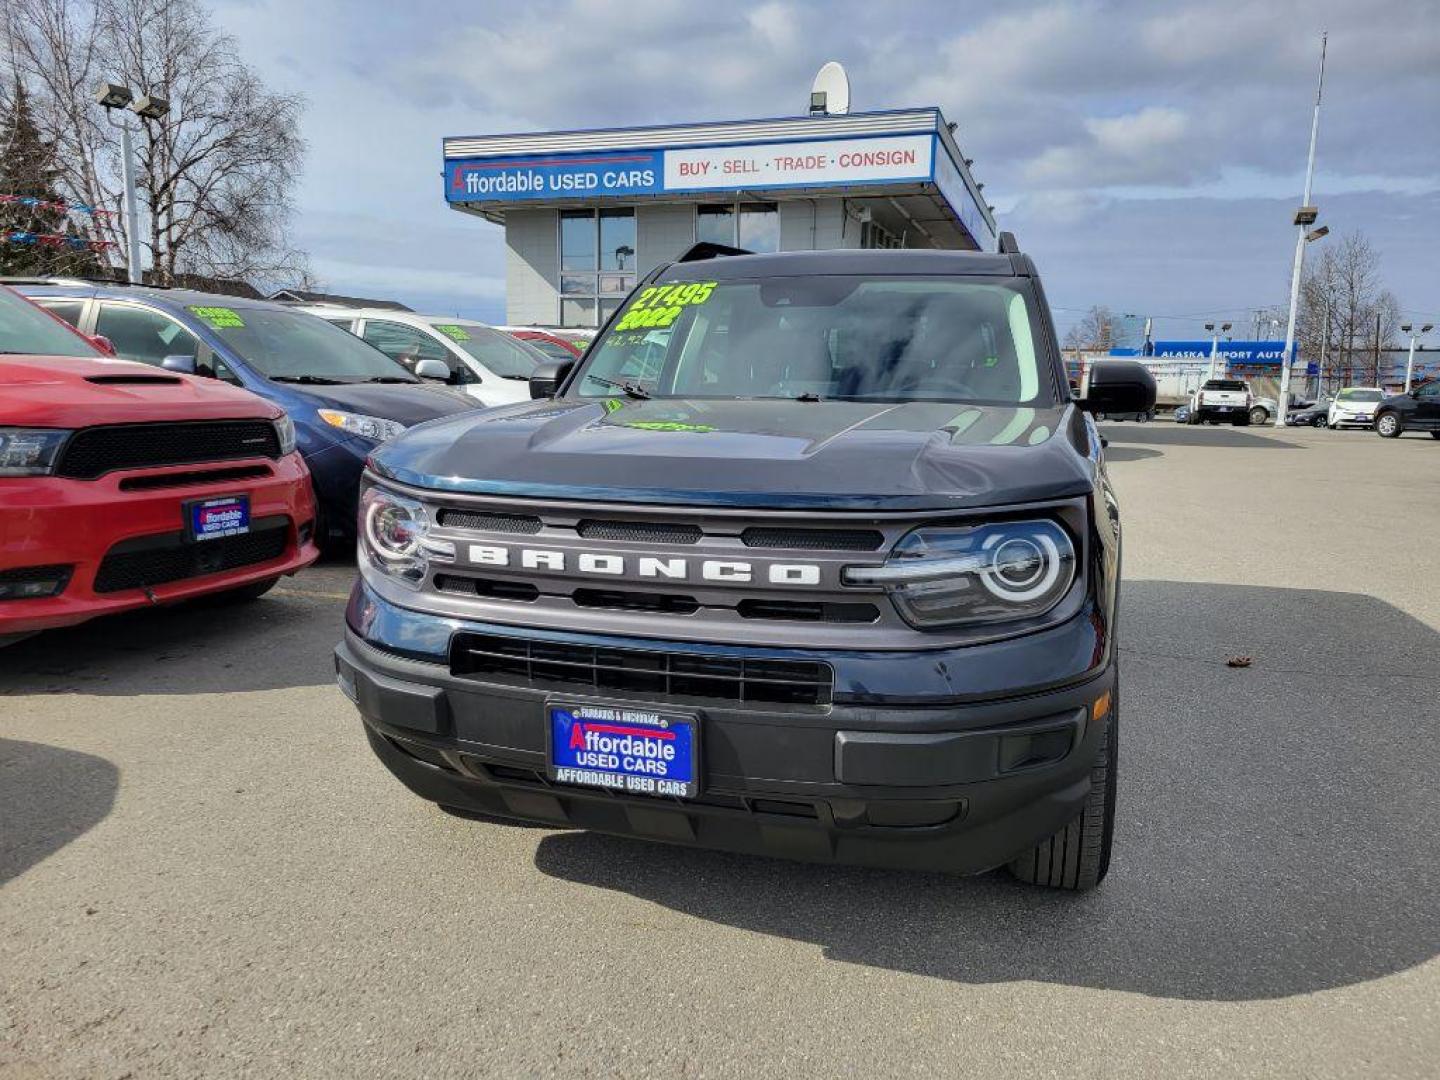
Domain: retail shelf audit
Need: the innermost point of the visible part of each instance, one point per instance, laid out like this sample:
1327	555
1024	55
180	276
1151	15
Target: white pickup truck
1221	400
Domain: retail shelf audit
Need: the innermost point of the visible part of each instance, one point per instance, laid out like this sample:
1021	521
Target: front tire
1077	857
1319	421
1259	416
1388	426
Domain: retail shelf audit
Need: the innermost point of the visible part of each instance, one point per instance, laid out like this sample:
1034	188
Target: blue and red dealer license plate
627	750
209	519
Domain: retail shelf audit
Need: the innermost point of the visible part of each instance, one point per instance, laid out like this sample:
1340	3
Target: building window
752	226
597	263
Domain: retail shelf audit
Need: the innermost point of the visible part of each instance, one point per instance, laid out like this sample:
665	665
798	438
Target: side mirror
430	368
1119	386
104	344
547	376
185	365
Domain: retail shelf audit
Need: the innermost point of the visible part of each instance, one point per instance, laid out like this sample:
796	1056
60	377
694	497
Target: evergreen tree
27	171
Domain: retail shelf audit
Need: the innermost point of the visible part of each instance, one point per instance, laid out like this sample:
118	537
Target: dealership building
587	212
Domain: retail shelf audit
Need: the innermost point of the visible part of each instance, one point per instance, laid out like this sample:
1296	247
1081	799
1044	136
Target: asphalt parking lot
203	871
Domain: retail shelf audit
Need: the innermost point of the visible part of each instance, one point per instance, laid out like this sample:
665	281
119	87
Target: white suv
488	365
1355	406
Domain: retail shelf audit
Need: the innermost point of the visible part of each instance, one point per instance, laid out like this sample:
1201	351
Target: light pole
1410	360
111	97
1215	345
1304	218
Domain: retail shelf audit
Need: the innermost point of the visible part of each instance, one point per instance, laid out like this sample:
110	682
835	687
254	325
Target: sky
1148	155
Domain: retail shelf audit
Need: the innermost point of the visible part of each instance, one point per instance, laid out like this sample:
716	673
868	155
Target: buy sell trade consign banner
623	173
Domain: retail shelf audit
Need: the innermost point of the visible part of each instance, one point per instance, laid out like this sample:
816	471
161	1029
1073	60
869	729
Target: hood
847	455
73	392
408	403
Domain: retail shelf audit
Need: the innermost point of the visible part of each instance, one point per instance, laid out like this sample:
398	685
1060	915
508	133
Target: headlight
285	432
29	451
371	427
395	537
975	575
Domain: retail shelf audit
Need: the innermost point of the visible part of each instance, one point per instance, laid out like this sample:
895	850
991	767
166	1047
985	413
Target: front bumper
56	521
959	785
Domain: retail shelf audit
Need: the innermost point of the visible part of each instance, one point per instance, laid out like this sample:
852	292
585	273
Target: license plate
210	519
627	750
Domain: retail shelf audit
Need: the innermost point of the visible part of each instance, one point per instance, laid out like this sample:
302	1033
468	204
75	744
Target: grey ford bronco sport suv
810	555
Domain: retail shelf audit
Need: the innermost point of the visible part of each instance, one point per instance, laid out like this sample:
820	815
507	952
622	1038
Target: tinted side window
407	345
1430	392
69	310
140	334
403	344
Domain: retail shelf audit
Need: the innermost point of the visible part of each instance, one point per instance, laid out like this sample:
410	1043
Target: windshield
1224	384
840	336
24	328
290	345
1359	395
500	353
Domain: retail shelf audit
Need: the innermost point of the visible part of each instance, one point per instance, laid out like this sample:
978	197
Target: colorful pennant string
57	206
52	240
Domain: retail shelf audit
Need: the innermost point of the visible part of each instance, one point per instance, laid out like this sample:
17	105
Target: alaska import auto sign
620	174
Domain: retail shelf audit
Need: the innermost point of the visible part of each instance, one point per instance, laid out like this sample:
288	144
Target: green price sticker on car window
661	305
453	332
221	318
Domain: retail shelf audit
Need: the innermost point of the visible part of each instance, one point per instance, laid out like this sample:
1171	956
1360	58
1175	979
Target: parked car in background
1262	410
1312	414
1354	406
552	345
1419	410
343	396
1221	401
124	486
578	336
489	366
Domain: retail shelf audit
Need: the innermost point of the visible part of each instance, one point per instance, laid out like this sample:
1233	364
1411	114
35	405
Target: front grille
643	673
491	588
155	560
95	451
469	519
808	611
225	475
813	539
625	600
644	532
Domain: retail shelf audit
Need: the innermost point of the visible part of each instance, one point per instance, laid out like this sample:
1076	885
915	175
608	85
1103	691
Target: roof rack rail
1008	244
706	250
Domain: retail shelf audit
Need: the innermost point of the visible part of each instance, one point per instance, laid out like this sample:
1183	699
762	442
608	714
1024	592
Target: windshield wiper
520	378
629	389
313	380
808	395
389	379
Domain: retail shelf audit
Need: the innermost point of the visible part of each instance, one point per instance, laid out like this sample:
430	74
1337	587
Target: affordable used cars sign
619	174
564	176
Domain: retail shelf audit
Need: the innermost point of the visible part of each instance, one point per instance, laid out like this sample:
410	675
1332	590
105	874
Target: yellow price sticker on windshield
218	317
661	305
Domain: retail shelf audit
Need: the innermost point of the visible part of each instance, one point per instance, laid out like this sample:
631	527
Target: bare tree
1095	332
218	171
1341	299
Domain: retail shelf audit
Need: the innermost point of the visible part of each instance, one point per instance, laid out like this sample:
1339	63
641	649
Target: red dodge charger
123	486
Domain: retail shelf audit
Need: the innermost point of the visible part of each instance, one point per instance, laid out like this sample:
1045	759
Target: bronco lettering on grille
728	571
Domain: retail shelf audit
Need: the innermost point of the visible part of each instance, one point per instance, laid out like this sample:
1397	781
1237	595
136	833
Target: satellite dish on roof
830	92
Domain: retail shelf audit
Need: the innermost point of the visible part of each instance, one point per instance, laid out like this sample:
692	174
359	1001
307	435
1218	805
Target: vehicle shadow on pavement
271	643
1278	831
48	797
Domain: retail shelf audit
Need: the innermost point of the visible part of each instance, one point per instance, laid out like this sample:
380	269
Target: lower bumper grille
641	673
156	560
